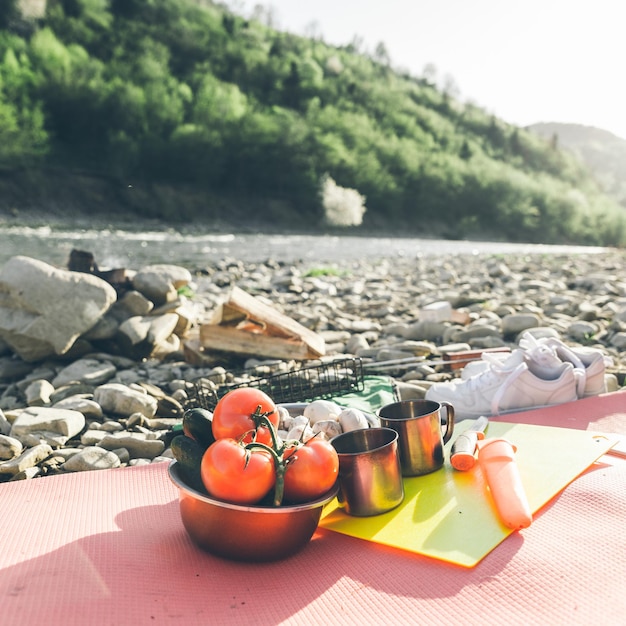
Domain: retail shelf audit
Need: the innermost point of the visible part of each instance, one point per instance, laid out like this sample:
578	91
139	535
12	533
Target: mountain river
119	248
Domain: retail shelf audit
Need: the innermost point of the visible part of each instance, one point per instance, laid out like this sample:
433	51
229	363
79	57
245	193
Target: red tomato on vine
230	472
239	414
312	470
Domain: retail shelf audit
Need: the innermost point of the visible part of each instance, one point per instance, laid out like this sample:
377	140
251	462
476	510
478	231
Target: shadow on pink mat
150	570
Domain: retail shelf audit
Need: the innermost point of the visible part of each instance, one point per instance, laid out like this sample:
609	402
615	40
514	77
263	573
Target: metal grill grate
324	380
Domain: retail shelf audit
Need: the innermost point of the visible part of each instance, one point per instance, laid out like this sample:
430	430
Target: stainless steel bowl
247	533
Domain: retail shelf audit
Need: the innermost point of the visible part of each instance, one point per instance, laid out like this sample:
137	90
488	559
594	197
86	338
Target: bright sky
525	62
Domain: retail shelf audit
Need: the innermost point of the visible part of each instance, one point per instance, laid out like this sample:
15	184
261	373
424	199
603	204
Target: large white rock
121	400
43	310
37	419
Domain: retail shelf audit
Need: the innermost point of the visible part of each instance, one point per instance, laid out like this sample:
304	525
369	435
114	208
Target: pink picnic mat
108	548
604	413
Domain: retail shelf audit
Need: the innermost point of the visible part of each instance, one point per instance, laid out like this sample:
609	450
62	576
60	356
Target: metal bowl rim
293	406
280	510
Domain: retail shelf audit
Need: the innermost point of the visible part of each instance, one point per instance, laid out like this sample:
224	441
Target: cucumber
198	424
188	453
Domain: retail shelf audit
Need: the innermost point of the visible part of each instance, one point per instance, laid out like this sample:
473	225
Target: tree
22	134
450	87
430	73
554	142
9	12
130	8
292	86
466	151
381	54
265	15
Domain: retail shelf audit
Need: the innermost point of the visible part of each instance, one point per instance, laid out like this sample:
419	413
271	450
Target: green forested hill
602	151
191	105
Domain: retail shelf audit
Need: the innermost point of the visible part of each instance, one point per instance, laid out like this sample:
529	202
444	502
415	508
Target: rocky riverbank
107	392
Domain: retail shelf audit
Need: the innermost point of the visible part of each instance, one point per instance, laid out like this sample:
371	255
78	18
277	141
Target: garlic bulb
352	419
321	410
330	428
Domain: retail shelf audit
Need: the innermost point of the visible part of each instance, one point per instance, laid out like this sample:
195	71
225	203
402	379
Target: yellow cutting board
449	515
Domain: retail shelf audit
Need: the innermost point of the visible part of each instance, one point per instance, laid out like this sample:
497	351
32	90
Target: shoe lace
495	372
497	397
548	354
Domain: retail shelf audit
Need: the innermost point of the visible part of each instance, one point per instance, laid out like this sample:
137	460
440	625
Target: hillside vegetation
602	151
201	110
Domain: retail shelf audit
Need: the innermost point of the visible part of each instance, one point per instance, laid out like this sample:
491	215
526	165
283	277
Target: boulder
35	420
43	310
159	283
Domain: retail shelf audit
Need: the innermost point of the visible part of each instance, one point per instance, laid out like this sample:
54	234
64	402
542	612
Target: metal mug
370	477
420	434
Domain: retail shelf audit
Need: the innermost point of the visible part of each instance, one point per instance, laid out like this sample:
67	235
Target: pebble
105	409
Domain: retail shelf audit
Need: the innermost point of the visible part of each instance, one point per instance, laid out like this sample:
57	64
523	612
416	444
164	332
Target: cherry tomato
230	472
311	470
234	415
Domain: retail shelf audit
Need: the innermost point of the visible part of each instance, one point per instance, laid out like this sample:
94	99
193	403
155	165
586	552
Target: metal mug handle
449	421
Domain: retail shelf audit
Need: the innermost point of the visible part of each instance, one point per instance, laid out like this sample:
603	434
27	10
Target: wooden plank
246	325
228	339
195	355
275	323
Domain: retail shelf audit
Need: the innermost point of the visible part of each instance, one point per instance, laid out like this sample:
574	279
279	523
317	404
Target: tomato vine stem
276	450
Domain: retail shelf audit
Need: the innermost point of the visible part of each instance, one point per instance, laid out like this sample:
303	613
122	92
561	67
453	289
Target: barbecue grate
324	380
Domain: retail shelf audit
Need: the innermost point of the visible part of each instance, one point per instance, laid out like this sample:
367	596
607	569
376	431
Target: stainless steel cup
370	478
420	433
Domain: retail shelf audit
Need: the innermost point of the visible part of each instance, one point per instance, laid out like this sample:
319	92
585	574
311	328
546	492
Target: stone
5	425
105	328
10	447
135	329
29	458
122	400
136	303
28	473
137	444
38	393
61	422
161	327
86	370
92	437
159	283
518	322
92	458
619	341
89	408
356	344
581	330
471	333
14	369
425	330
43	310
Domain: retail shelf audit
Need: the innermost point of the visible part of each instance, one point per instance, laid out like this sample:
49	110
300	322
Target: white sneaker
480	365
514	384
541	358
589	364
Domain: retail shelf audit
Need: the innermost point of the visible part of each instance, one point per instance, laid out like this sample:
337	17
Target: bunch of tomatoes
248	463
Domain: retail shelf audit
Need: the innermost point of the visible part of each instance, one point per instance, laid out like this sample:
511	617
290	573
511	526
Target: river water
130	249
